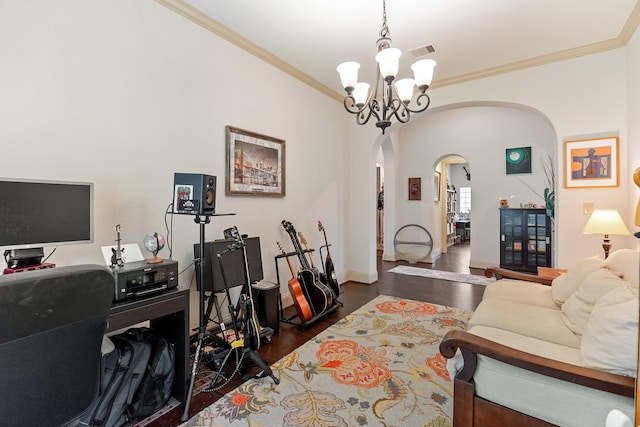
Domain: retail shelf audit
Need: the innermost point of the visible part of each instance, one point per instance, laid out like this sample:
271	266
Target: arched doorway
455	201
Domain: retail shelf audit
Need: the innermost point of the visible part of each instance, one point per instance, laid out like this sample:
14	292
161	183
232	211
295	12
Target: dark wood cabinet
525	239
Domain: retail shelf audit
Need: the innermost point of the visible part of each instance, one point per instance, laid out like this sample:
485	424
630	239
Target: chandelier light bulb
348	75
361	93
423	73
404	88
388	60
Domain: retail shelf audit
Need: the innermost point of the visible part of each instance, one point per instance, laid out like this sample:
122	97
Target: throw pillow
566	284
610	340
577	309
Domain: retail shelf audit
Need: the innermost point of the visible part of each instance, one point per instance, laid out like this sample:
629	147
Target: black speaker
194	194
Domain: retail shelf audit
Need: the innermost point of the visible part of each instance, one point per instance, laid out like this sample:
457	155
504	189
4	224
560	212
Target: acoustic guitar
320	296
329	269
295	289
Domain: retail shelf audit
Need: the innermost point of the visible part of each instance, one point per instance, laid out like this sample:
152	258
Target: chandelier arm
401	112
350	105
419	103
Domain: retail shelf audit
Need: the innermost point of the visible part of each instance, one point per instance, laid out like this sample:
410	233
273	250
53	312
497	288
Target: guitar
329	269
320	296
299	300
116	256
323	277
251	324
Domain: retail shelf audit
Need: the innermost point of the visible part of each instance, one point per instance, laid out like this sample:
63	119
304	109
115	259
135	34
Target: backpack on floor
124	369
155	389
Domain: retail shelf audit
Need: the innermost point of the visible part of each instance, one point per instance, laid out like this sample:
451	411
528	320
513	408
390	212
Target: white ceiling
472	38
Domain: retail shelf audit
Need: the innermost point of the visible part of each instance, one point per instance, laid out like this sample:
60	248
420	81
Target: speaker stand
202	324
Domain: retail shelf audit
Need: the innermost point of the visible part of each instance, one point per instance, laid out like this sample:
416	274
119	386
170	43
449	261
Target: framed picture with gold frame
255	164
415	190
592	163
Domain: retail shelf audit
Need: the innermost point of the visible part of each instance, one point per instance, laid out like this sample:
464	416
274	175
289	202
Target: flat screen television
38	213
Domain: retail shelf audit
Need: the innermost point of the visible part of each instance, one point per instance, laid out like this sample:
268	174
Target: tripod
251	340
202	324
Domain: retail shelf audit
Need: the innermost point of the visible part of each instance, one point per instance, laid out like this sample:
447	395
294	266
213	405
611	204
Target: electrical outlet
587	208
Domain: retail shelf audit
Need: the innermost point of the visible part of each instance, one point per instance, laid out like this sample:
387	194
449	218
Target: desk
169	315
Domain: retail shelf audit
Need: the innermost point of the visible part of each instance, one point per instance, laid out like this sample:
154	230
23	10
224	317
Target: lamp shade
389	60
348	74
423	71
605	221
404	88
361	93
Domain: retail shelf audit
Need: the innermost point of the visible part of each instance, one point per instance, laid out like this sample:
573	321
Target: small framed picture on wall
415	190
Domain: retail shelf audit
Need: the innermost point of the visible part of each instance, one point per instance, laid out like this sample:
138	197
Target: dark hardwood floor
353	296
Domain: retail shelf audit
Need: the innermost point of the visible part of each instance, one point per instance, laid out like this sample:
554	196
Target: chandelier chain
384	31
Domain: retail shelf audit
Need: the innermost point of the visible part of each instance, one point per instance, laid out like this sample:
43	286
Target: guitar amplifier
266	301
139	279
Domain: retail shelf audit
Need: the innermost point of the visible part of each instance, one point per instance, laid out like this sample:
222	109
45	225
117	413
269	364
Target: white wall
124	94
480	134
633	95
583	96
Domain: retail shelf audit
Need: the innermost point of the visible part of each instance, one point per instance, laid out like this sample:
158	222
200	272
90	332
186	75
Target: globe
154	243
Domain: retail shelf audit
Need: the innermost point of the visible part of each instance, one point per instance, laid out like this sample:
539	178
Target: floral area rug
379	366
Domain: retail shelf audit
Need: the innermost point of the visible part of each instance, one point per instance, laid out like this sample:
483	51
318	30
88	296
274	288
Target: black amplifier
139	279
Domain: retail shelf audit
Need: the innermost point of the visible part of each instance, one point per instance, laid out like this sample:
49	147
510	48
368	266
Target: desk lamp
606	221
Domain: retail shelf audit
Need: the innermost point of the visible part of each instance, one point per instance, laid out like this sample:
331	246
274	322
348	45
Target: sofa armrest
500	273
471	345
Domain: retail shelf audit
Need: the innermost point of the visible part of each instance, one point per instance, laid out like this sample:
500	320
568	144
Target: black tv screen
45	213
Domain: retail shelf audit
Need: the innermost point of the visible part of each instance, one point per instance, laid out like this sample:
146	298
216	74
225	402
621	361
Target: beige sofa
564	354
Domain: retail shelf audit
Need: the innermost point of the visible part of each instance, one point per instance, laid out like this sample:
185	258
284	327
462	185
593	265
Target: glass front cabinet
525	239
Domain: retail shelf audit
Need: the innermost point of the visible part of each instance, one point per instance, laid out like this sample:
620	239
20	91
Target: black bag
155	389
124	369
137	379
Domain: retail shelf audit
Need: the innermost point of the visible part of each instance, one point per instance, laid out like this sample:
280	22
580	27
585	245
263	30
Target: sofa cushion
526	319
577	309
624	262
610	339
566	284
540	347
520	291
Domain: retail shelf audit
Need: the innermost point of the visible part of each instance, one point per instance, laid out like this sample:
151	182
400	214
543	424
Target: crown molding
205	21
208	23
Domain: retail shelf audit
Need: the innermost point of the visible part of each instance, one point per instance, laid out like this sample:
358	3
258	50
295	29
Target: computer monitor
37	213
232	263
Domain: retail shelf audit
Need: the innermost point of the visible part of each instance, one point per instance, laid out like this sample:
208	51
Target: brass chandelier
395	97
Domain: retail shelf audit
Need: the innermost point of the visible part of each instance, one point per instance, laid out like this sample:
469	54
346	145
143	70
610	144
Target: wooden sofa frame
471	410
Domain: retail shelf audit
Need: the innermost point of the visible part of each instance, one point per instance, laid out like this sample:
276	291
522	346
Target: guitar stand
290	319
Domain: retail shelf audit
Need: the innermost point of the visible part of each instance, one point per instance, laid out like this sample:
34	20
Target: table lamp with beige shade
606	222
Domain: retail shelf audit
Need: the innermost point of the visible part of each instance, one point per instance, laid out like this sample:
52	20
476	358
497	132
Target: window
465	199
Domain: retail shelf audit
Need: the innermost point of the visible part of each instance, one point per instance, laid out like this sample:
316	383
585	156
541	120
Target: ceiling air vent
422	51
